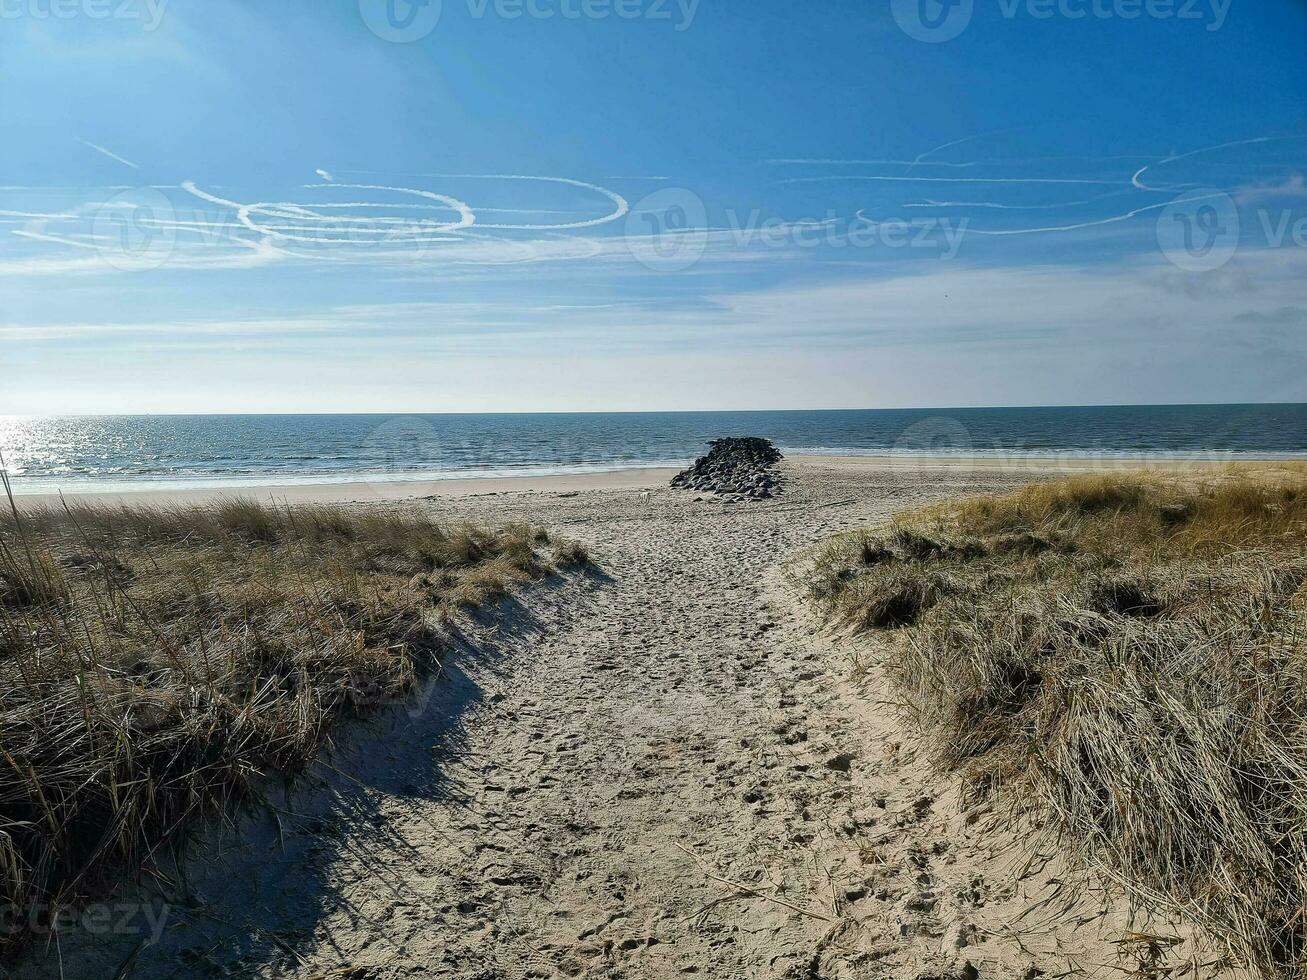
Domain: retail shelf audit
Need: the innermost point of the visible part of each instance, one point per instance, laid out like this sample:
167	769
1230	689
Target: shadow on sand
252	888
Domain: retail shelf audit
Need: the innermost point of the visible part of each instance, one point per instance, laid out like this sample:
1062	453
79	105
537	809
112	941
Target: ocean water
155	452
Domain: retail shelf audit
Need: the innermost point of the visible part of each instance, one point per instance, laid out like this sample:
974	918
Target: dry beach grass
1126	654
155	663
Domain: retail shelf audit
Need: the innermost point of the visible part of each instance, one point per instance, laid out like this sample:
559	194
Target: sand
664	770
370	491
635	478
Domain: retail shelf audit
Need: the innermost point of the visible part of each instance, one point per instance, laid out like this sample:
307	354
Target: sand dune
664	772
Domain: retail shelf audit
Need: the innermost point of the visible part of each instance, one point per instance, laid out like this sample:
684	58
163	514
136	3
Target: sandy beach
653	490
663	770
634	478
371	491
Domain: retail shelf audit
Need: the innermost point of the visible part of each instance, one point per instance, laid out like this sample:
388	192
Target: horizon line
653	411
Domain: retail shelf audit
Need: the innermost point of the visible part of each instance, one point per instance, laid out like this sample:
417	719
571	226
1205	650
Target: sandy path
572	805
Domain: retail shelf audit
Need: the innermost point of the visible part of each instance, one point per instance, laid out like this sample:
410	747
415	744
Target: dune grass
1125	654
156	663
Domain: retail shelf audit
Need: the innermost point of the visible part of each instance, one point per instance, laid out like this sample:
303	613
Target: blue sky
336	205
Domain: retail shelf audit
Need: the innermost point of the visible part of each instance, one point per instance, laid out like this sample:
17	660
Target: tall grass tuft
154	663
1128	655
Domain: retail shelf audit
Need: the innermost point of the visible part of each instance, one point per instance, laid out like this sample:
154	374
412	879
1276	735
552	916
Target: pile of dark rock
743	466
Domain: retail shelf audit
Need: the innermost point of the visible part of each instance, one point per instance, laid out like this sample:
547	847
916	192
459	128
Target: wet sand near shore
641	478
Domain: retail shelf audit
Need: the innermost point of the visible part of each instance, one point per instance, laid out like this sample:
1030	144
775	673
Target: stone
741	466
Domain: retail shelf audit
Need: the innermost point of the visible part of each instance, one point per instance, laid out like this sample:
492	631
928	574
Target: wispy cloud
1122	307
1290	188
29	333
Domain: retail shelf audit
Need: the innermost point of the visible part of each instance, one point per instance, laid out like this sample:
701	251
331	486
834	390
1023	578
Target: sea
114	453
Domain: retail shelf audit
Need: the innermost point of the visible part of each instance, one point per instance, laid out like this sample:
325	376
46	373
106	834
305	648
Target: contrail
805	161
295	212
931	203
954	180
1084	224
109	153
827	161
42	236
245	213
944	146
620	205
1205	149
999	207
966	139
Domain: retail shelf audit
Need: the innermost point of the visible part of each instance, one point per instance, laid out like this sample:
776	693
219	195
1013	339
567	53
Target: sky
587	205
